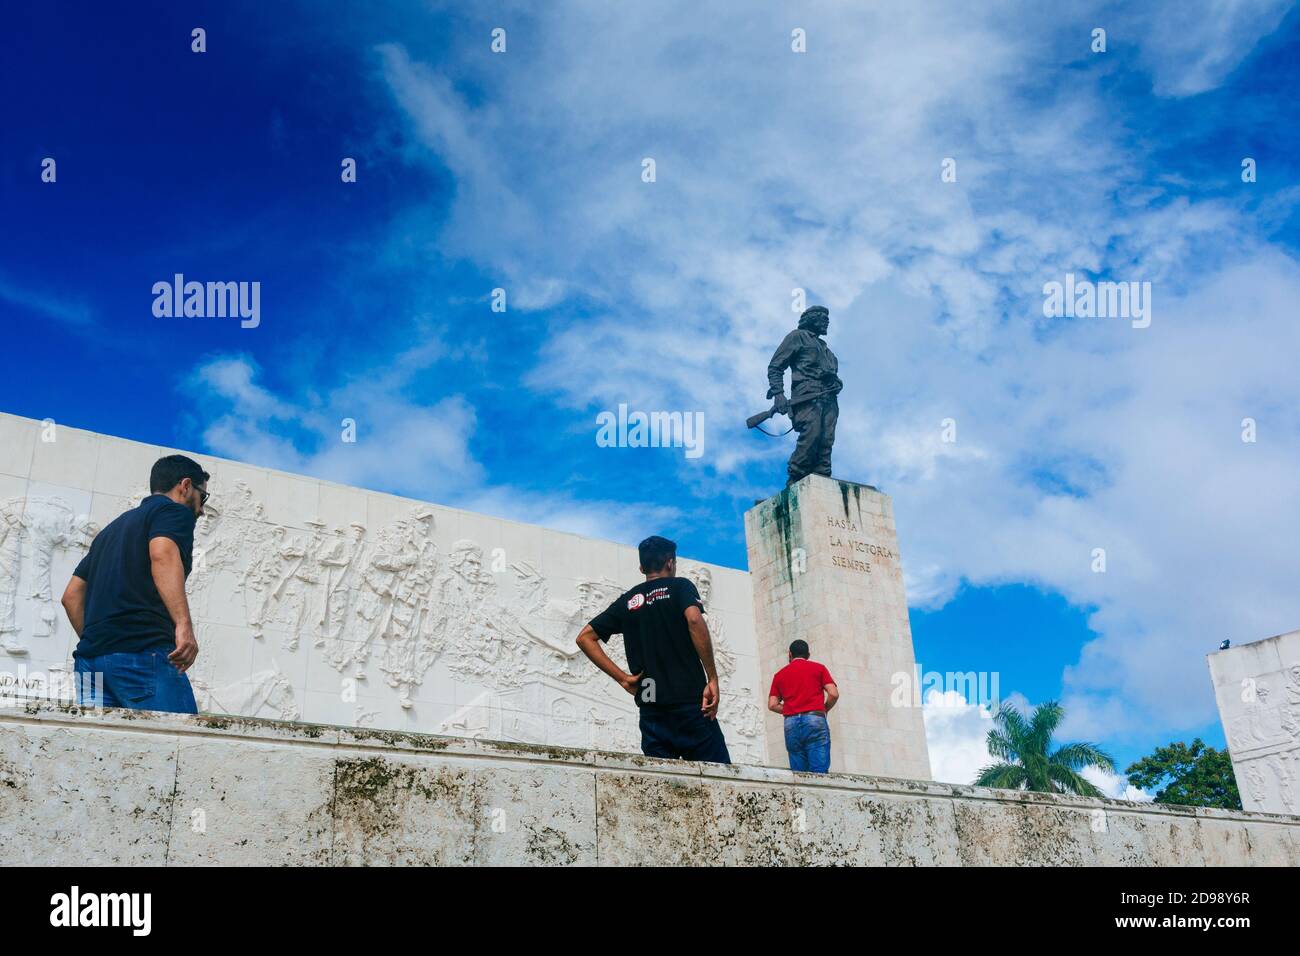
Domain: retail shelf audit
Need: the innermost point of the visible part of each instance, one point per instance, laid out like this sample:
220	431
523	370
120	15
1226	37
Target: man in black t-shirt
673	679
127	602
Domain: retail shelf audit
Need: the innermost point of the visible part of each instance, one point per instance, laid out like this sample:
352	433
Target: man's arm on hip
74	603
169	577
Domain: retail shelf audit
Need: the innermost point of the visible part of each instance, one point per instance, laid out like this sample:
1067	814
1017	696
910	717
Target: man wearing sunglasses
127	603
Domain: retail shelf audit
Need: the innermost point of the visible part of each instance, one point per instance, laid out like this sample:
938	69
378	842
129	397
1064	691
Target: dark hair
656	552
799	649
169	472
813	314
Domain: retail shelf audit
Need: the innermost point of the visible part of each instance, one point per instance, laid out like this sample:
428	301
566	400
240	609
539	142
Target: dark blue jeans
808	742
143	680
682	732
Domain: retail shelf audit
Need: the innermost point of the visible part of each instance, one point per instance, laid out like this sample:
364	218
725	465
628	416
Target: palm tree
1027	762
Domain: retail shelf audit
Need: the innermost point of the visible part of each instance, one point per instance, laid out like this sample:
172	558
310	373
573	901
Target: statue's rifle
756	421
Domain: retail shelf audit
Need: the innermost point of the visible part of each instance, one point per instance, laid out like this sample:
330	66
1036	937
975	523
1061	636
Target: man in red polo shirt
803	691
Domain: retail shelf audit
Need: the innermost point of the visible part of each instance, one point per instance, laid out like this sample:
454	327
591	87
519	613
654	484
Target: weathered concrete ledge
129	787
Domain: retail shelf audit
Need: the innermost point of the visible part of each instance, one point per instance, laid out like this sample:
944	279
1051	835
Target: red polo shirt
799	685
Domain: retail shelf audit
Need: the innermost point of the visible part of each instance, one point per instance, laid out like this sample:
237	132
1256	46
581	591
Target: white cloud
821	171
620	521
956	734
67	311
1116	785
1198	48
401	445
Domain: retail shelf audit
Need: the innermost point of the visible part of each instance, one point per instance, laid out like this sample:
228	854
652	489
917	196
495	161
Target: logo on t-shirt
658	594
635	601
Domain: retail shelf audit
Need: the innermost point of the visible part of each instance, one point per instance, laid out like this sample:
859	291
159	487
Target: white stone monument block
1257	687
823	555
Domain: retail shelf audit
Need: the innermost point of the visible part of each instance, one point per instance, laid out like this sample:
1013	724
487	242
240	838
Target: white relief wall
325	603
1257	687
34	529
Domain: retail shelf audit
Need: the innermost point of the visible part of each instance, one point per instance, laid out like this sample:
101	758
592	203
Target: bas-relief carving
572	704
1266	719
33	530
267	693
550	711
1291	715
355	597
1258	726
743	723
1269	783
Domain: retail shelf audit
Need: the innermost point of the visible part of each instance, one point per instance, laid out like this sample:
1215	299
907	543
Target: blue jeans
681	731
808	742
140	680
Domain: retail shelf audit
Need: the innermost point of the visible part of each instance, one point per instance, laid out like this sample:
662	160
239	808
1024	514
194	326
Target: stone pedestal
823	557
1257	687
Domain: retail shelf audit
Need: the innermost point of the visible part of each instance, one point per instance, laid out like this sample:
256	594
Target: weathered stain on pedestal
823	555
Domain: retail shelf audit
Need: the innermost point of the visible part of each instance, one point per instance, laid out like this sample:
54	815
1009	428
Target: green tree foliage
1023	747
1197	776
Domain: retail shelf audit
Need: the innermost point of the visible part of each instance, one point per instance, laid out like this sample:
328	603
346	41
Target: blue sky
775	170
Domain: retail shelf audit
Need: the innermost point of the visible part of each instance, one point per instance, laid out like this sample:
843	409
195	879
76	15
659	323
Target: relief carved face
705	587
208	521
594	596
703	581
423	525
467	562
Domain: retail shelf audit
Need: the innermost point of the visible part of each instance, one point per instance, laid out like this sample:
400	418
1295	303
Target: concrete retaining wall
125	787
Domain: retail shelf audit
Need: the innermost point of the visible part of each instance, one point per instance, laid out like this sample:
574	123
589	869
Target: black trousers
815	423
681	731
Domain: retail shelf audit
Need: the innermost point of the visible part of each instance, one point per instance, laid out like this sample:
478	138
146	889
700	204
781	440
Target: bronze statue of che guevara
814	383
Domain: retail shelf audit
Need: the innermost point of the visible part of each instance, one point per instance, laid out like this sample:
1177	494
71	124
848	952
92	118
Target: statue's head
816	319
